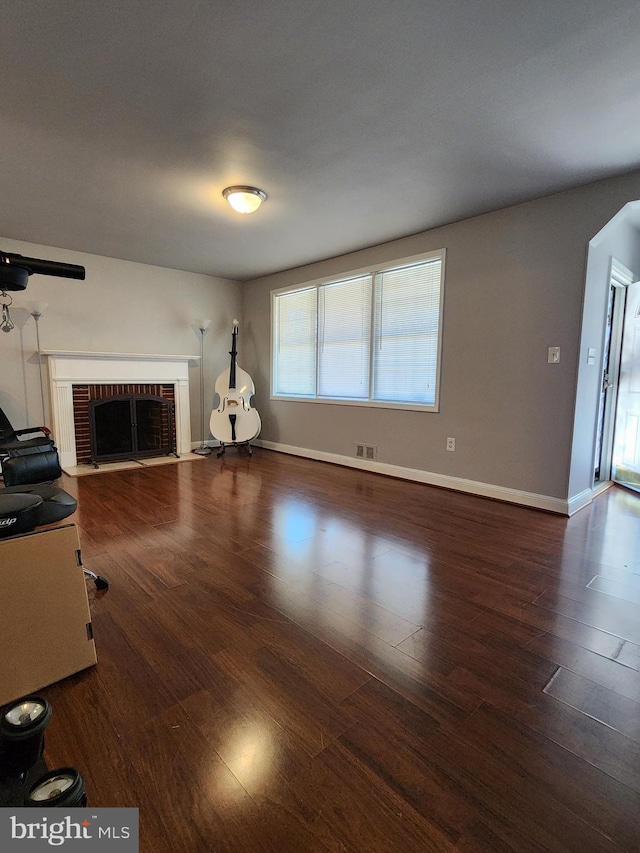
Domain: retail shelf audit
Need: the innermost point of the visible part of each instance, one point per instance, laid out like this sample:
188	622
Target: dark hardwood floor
295	656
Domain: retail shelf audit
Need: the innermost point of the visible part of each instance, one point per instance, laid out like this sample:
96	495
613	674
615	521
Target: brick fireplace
76	378
87	393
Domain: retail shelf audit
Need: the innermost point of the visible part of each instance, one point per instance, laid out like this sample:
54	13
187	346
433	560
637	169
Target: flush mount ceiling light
244	199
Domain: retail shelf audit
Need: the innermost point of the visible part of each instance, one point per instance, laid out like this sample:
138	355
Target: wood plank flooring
295	656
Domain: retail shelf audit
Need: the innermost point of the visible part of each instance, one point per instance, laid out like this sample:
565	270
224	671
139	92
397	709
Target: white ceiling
363	120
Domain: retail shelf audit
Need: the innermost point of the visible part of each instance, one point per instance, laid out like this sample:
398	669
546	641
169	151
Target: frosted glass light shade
244	199
38	308
203	325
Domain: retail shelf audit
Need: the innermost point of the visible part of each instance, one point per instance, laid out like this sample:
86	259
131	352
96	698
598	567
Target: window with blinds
372	338
344	333
295	344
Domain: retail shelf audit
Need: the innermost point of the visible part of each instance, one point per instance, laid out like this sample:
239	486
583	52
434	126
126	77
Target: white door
626	445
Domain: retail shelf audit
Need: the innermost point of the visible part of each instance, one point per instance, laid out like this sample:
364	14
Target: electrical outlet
366	451
451	444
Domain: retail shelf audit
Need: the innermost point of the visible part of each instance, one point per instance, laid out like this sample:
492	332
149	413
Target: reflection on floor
295	656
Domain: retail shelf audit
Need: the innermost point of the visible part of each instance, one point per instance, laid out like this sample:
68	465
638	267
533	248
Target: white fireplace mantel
67	369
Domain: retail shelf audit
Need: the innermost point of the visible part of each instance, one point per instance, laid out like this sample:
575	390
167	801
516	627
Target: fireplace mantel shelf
120	356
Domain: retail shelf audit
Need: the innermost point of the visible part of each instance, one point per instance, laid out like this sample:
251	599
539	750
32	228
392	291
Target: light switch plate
553	355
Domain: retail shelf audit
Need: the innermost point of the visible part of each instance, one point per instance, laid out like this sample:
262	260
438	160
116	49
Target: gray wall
514	286
120	307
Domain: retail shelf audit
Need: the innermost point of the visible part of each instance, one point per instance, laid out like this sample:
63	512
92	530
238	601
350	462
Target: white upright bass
234	421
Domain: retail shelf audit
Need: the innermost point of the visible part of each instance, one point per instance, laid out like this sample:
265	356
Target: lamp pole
36	312
203	450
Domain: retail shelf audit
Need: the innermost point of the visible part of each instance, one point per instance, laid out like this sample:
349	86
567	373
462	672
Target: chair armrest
31	468
26	431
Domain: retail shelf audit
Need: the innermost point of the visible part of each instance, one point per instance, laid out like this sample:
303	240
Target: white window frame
373	271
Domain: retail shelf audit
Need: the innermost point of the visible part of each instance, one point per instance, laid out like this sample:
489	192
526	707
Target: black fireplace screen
130	426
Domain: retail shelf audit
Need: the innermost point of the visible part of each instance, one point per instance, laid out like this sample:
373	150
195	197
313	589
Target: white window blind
406	324
371	338
295	344
344	331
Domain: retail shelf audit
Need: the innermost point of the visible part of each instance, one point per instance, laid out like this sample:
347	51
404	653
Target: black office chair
31	467
12	444
27	505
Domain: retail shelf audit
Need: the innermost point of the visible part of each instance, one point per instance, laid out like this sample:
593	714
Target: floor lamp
37	310
203	450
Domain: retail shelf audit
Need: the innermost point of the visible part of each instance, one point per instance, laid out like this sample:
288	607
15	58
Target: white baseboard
585	497
458	484
579	501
